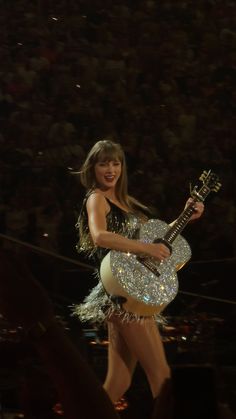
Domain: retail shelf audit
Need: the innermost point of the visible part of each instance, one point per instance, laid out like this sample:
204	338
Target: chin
109	185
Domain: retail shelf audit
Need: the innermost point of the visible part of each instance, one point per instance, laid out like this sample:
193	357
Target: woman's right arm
97	208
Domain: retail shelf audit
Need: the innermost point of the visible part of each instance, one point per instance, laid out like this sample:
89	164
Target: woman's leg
142	342
121	363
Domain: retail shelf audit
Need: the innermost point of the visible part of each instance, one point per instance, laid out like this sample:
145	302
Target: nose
110	166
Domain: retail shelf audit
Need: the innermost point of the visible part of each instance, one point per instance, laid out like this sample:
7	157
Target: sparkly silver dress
98	306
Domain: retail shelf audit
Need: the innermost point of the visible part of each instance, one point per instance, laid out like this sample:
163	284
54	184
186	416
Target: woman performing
110	220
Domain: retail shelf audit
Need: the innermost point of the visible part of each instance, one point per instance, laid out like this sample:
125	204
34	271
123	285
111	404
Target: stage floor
200	350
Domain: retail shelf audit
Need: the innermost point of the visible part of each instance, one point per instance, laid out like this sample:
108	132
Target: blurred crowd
159	77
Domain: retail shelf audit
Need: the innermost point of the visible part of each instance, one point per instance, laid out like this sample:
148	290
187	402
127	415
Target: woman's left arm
198	210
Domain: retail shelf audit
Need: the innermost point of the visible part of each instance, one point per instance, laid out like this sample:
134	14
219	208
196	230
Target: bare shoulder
96	200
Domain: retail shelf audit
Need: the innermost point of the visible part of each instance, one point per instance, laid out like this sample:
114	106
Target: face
107	173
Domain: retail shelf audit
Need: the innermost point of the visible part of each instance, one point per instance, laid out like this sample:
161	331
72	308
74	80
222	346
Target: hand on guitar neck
198	207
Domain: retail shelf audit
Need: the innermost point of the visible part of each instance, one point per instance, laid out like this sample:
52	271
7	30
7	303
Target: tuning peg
217	187
204	175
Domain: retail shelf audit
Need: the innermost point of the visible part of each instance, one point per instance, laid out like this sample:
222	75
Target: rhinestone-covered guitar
146	284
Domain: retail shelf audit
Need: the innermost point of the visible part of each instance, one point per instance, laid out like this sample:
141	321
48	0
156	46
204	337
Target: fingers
164	252
160	251
198	208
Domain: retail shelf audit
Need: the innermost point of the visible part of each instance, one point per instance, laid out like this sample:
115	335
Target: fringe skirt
98	308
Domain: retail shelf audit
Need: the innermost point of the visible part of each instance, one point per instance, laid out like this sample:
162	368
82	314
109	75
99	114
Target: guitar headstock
211	180
210	183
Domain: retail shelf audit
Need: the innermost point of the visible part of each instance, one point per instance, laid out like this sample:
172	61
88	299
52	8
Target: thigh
121	358
144	342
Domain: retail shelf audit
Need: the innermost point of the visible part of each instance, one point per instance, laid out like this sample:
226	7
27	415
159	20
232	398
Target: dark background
158	77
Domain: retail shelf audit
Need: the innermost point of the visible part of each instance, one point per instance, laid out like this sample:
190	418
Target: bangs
109	152
105	151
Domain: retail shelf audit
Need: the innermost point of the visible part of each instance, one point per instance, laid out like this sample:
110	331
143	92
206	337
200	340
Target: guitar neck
185	216
179	224
210	183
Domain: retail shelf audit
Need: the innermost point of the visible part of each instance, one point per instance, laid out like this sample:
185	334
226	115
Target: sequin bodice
118	221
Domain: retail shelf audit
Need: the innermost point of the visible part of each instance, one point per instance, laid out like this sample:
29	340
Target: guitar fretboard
179	225
184	218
